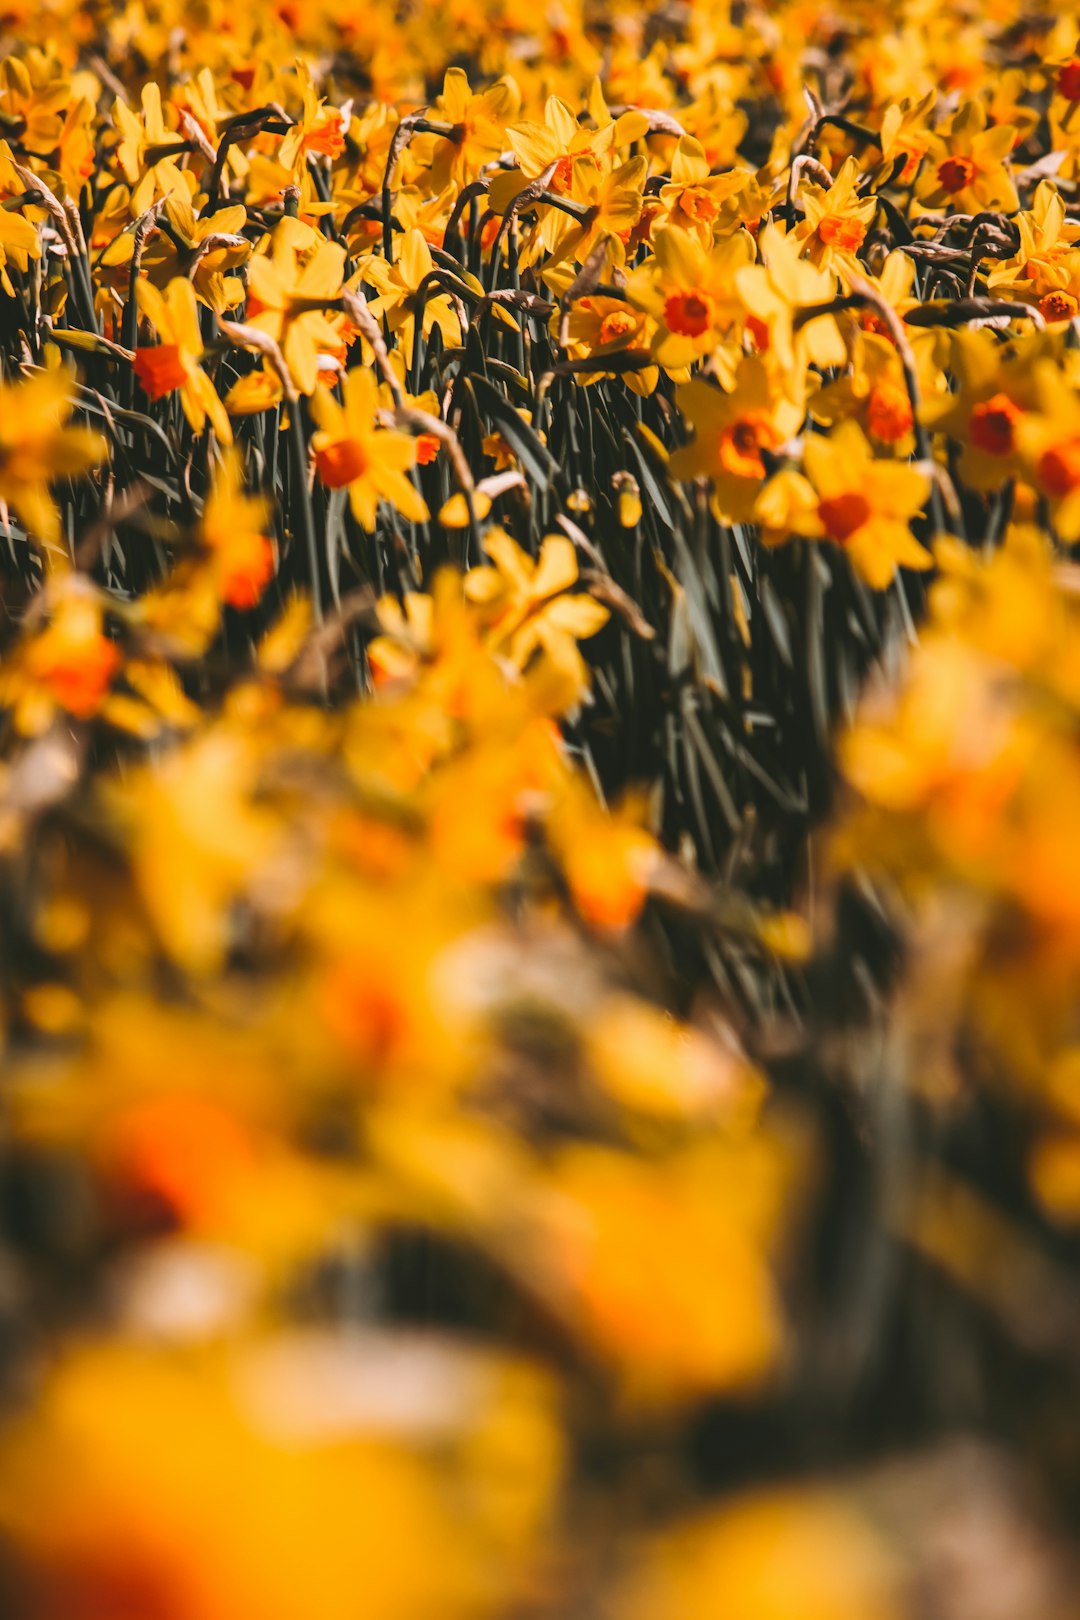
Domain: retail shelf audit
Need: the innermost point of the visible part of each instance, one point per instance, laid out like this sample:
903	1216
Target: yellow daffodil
477	128
69	665
965	168
731	430
233	530
526	605
772	293
352	451
690	292
865	504
289	289
835	221
396	286
37	445
693	197
174	363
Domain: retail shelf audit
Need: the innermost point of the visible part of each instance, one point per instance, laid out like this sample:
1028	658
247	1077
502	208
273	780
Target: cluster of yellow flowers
966	777
398	1016
448	514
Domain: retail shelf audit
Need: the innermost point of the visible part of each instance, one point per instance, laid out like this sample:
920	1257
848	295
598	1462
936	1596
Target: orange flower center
342	462
1058	305
160	369
181	1153
1068	80
1059	469
870	322
842	515
992	428
759	333
563	178
427	448
741	444
326	137
954	173
688	313
247	566
888	415
372	1018
837	231
77	673
698	204
617	325
914	155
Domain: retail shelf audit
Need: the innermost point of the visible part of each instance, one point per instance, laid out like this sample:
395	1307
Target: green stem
303	517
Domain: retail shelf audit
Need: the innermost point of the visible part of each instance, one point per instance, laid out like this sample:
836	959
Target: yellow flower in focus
731	432
693	197
1046	265
965	169
835	222
289	287
866	505
773	291
600	326
319	131
689	290
146	149
353	452
174	362
396	286
478	123
875	394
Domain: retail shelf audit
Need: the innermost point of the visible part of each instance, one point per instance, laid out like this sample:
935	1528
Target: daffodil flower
319	131
173	364
525	604
37	446
731	431
690	292
353	452
477	128
693	197
965	169
233	530
289	288
68	665
865	504
835	221
396	286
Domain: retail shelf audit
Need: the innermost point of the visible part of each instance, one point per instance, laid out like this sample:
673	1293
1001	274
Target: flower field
539	810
